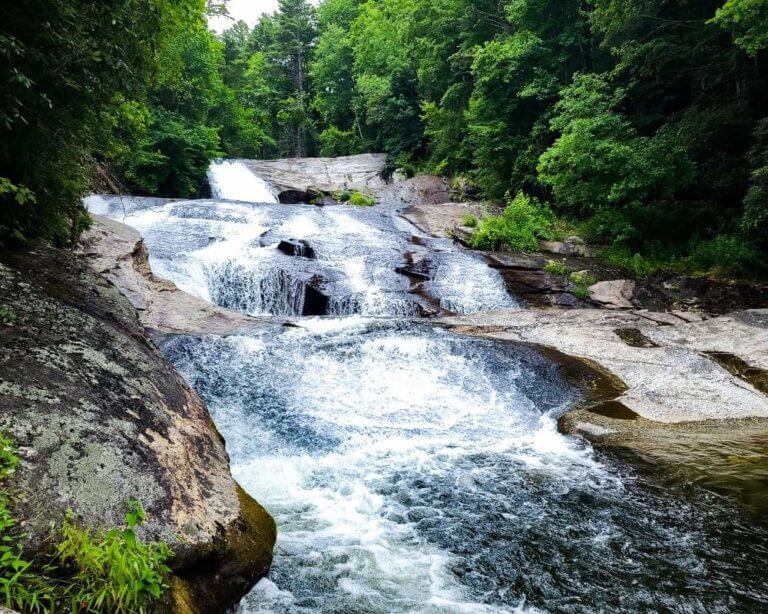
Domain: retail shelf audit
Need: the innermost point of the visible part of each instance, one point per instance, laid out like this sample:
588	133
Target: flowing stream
410	469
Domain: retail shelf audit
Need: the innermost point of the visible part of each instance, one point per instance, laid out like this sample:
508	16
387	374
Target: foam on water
225	252
232	180
410	470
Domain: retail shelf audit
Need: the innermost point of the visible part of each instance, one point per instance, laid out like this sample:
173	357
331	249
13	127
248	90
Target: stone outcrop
117	252
99	416
664	372
443	219
421	189
572	246
613	294
296	178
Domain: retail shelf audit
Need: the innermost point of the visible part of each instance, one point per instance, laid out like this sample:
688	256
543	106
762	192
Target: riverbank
554	275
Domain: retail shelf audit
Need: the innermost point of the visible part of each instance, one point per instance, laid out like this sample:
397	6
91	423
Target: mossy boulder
99	416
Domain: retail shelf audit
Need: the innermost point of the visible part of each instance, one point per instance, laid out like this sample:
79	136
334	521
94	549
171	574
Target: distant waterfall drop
232	180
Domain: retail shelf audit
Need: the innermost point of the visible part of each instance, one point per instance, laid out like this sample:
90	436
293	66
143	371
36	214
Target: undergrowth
469	221
93	571
353	197
520	225
556	267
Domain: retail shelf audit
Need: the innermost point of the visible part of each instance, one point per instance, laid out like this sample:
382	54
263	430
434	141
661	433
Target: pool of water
412	470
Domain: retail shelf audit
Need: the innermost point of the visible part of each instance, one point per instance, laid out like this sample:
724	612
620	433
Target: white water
409	469
329	425
412	470
226	252
231	180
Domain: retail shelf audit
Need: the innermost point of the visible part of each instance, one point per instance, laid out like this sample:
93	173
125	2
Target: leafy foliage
361	200
93	571
112	570
642	119
468	220
523	221
556	267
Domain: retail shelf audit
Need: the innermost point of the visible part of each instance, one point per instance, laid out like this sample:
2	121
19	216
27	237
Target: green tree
600	164
64	66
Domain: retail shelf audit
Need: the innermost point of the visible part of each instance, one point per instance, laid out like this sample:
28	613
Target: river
410	469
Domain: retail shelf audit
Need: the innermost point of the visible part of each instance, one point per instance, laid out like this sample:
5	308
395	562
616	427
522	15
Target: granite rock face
118	253
294	177
666	372
443	219
99	416
614	294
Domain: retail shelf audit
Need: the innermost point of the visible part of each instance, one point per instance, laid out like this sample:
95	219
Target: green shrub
582	280
342	196
469	220
724	256
522	222
94	571
361	200
7	317
20	587
113	572
556	267
636	265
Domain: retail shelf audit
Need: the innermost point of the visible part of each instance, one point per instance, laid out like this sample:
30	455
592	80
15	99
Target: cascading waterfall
231	180
233	286
226	252
410	469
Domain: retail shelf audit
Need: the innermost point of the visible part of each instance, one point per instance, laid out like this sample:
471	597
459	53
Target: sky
247	10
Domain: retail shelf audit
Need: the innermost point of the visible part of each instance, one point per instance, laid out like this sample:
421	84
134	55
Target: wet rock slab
117	252
297	247
670	380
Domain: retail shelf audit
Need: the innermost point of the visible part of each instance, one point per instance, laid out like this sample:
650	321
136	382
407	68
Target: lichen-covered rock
99	417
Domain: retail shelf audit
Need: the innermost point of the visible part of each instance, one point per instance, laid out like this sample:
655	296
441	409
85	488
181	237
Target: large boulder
299	179
614	294
99	417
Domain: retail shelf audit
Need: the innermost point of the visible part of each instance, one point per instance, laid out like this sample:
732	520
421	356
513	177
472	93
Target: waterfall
231	180
410	469
268	291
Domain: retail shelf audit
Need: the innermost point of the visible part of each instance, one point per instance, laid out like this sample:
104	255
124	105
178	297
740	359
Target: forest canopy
644	122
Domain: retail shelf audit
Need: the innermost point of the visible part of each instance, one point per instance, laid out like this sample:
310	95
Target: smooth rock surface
440	220
615	294
675	381
117	252
99	416
364	171
565	248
